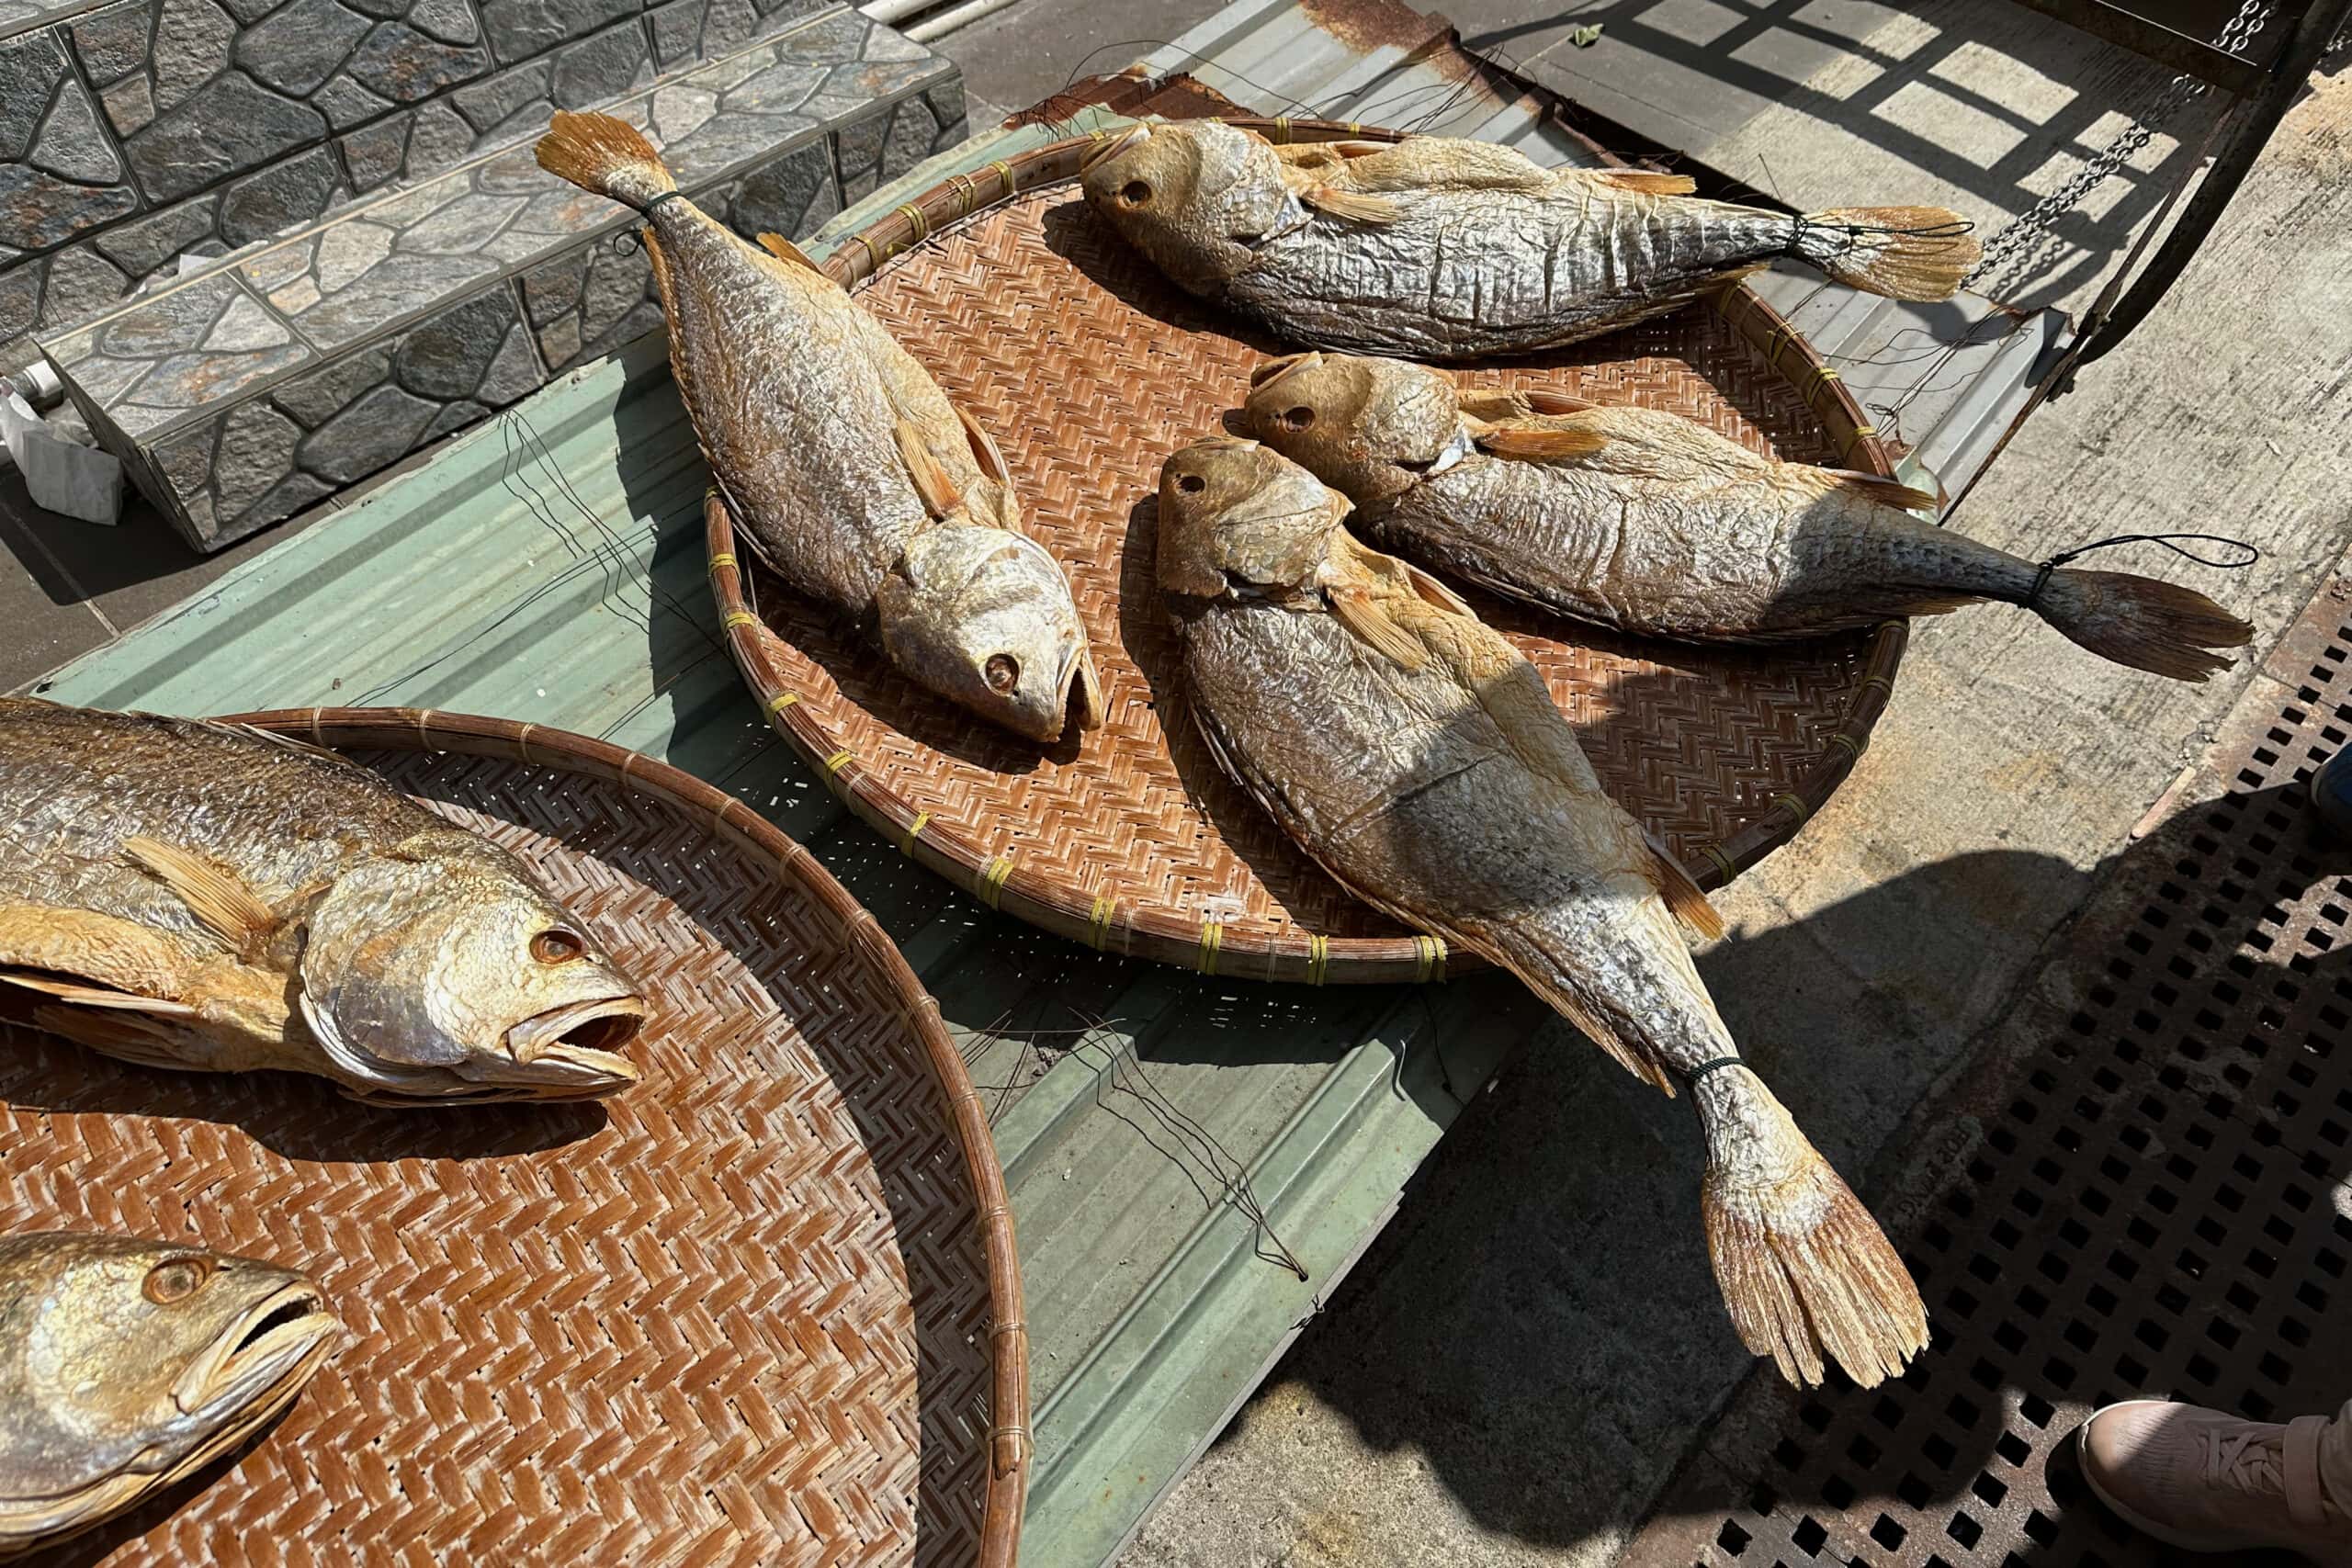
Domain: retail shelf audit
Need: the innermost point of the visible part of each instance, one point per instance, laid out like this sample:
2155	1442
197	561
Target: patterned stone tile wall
217	123
283	374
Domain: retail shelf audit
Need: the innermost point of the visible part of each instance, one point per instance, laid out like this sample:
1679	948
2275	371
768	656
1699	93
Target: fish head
984	618
1198	198
1238	516
131	1364
1371	428
440	972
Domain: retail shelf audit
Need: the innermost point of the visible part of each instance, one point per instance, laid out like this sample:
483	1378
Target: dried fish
1418	758
128	1366
1438	248
194	896
1646	522
854	477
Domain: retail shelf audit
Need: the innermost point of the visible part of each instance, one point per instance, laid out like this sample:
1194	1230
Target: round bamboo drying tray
763	1307
1089	368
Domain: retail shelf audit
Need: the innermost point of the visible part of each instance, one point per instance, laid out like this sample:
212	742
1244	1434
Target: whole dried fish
1647	522
194	896
1437	248
1418	757
854	477
128	1366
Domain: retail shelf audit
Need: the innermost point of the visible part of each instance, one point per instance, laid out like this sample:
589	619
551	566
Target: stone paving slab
207	388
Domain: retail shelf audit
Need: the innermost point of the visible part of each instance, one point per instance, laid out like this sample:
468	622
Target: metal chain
2030	225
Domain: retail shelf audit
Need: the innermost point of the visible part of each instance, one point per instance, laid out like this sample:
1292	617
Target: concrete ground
1520	1361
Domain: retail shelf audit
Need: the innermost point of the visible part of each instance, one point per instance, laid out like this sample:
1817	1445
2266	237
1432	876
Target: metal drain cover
2160	1202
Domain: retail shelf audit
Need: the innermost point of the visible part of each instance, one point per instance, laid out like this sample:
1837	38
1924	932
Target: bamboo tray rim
430	730
1250	949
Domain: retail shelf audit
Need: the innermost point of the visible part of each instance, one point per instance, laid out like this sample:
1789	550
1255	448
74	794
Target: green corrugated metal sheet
549	567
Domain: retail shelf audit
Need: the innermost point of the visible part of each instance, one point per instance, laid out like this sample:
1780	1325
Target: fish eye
1299	417
176	1280
1003	672
557	946
1135	193
1190	484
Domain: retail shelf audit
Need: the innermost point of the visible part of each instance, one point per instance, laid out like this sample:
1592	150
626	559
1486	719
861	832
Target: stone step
274	378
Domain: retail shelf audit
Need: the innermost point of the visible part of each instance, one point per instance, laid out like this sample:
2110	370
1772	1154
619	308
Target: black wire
2041	578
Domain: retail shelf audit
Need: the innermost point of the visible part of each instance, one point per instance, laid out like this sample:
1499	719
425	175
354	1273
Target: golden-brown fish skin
1418	757
1646	521
194	896
1440	248
126	1366
838	454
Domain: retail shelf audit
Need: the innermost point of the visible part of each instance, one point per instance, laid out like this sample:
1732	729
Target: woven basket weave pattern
1089	368
738	1313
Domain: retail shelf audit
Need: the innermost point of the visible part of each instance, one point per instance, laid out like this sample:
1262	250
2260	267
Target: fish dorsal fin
1362	615
1352	205
939	493
1647	181
1682	895
785	250
984	449
225	905
1432	592
1539	445
1886	492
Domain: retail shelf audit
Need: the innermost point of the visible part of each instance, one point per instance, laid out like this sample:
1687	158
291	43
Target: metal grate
2160	1202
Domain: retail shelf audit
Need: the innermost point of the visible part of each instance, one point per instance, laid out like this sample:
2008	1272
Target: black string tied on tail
625	242
2250	555
1714	1064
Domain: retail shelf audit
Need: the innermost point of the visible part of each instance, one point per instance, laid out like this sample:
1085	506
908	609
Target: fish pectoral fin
1646	181
1535	446
1362	615
1542	401
226	905
1432	592
1684	899
126	1036
937	491
87	996
1886	492
984	448
1353	205
1499	403
785	250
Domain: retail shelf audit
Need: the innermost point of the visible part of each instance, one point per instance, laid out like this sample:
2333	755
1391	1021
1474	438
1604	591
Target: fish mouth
1134	136
271	1351
1082	694
572	1052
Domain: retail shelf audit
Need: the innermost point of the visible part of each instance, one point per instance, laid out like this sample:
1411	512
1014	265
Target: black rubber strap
646	211
1715	1065
2250	555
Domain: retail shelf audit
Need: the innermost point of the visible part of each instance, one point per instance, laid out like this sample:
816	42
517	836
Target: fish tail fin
608	156
1903	253
1803	1268
2161	627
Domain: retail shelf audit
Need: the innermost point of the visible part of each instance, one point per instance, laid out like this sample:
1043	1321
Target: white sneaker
2206	1481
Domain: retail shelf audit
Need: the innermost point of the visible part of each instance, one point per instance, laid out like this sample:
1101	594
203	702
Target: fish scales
850	474
1438	248
1646	522
1413	753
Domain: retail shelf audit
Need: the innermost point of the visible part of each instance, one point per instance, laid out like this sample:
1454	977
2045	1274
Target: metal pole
2310	40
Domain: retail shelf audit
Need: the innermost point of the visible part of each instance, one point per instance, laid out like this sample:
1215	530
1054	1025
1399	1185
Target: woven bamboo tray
761	1308
1089	368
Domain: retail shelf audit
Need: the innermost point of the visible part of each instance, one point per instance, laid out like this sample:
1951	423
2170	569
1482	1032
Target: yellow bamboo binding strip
1318	958
781	700
918	222
1722	862
1797	807
724	558
734	618
1431	951
1847	741
914	832
1098	923
992	889
1212	938
1005	170
1822	376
